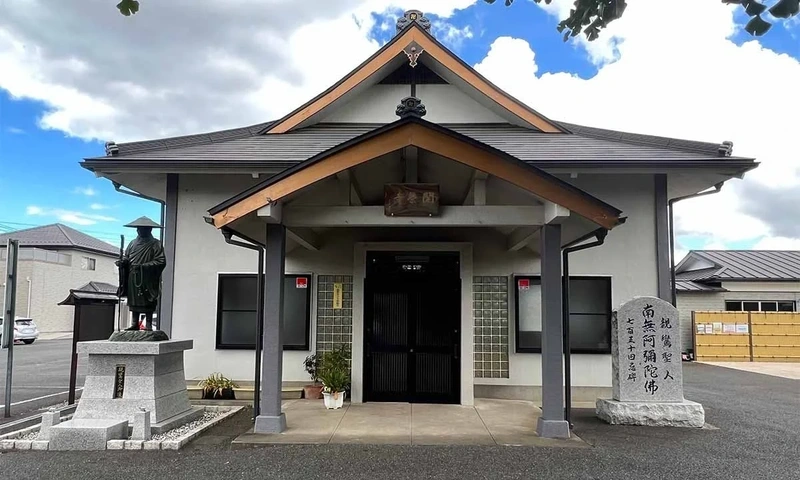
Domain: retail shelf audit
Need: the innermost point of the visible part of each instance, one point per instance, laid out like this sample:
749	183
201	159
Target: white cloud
778	243
99	206
696	85
69	216
452	36
226	64
15	131
88	191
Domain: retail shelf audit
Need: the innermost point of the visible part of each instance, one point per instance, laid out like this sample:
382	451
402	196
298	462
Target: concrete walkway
489	422
783	370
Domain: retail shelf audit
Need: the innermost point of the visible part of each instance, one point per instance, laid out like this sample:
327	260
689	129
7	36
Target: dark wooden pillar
270	419
552	423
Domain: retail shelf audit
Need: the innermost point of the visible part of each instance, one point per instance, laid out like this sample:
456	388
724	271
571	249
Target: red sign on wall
524	283
301	282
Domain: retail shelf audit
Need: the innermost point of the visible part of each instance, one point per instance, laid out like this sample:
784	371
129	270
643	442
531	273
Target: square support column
552	423
270	419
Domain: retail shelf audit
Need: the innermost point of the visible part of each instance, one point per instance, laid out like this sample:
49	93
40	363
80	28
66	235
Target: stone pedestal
651	414
647	373
87	434
124	377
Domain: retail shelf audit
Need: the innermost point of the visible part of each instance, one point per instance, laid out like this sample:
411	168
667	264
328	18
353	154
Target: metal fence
746	336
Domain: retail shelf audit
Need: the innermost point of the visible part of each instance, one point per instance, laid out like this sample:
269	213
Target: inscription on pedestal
646	352
119	381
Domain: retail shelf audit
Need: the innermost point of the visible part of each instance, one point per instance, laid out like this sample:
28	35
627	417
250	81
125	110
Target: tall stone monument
647	372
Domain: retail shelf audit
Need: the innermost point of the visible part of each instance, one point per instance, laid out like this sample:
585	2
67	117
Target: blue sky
40	169
41	181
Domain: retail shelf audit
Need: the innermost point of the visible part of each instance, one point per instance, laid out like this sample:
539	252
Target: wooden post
73	366
750	333
694	337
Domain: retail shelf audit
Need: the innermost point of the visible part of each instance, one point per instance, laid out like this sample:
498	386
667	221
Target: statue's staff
122	276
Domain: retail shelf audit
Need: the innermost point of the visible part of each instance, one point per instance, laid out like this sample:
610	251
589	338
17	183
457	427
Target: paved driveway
41	371
758	417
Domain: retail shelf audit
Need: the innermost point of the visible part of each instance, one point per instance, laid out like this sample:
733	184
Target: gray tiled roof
688	286
756	265
543	149
59	236
98	287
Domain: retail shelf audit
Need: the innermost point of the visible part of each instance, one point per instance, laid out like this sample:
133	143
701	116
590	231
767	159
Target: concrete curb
9	441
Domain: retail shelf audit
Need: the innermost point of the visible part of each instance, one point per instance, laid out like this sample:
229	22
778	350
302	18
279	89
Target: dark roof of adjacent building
59	237
92	292
585	147
98	287
716	266
687	286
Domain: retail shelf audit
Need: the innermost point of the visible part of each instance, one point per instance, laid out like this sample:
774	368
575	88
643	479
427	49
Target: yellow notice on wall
337	295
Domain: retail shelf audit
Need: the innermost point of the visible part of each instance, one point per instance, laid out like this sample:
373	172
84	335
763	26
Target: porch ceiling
377	146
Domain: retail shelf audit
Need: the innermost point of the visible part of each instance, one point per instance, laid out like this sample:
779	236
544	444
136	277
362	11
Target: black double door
412	313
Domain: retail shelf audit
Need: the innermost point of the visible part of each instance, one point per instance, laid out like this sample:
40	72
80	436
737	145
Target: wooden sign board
411	199
337	295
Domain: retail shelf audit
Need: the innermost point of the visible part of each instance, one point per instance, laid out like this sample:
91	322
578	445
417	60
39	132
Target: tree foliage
591	16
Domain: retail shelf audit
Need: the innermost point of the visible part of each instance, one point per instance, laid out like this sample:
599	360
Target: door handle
455	351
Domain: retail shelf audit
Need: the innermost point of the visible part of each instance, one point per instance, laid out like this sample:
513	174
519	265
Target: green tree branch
591	16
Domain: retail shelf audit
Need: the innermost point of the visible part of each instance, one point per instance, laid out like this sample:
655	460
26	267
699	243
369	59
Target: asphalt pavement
40	374
756	420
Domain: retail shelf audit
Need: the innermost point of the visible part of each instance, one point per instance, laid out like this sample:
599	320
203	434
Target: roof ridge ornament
725	149
413	50
411	107
411	16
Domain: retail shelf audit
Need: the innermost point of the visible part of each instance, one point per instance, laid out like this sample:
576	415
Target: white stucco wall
50	283
628	257
444	104
202	254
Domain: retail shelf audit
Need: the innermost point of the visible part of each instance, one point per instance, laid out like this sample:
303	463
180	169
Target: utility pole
9	318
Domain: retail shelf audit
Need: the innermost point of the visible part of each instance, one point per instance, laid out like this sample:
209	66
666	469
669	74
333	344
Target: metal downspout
672	201
600	235
126	191
259	315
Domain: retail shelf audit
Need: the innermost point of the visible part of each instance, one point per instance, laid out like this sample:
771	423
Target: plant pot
225	394
333	400
312	392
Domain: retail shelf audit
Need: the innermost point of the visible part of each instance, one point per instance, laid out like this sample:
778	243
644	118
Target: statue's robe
142	280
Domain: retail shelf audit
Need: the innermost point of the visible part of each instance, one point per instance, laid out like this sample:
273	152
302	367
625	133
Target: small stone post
141	425
49	418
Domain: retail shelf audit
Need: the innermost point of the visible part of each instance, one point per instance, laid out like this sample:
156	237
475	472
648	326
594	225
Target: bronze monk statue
140	272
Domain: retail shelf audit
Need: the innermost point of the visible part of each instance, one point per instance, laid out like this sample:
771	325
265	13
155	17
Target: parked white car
25	330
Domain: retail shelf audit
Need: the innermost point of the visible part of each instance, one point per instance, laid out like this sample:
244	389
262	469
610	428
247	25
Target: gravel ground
187	427
756	416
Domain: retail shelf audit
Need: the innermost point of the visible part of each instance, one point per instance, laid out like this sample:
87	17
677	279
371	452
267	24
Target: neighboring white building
736	281
514	188
52	260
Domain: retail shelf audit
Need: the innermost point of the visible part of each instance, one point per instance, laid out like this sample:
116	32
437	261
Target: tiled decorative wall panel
334	326
490	313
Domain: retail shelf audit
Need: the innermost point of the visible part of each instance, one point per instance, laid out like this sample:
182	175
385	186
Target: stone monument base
124	377
86	434
651	414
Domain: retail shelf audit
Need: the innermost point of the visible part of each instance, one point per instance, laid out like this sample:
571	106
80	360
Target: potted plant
218	387
312	365
334	373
